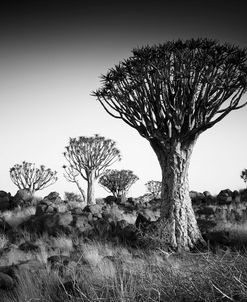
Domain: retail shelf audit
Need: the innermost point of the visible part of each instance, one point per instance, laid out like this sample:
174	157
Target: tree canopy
176	90
27	176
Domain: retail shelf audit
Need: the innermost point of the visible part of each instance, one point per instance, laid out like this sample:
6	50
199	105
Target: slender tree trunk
178	222
81	190
90	188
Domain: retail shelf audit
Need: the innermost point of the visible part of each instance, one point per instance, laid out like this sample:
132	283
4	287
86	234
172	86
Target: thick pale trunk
178	220
90	188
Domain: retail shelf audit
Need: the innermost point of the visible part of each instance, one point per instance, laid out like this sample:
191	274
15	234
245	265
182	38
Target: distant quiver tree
118	182
243	175
90	156
27	176
71	175
154	187
171	93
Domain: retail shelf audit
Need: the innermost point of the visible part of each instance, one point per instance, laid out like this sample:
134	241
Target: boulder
82	224
4	226
8	276
45	207
236	196
224	197
6	282
23	197
207	211
54	224
110	200
142	220
77	211
5	201
94	209
28	247
54	197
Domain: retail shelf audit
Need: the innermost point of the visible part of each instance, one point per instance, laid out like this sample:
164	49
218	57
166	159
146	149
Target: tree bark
90	188
178	222
81	190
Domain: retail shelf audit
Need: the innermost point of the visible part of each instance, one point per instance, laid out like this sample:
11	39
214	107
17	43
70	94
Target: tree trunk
178	222
90	188
81	190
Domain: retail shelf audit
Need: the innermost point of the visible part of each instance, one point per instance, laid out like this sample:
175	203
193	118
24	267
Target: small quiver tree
154	187
27	176
71	175
243	175
90	156
118	182
171	93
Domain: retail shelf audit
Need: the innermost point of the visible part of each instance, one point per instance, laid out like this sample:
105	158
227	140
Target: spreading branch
176	90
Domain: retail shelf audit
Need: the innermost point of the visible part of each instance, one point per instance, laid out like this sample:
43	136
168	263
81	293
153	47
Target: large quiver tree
90	156
170	94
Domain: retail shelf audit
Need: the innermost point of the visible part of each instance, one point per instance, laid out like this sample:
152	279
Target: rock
4	226
58	259
44	207
236	196
225	193
54	197
220	237
130	234
28	246
82	224
23	197
205	211
207	194
142	220
110	200
197	197
54	224
6	282
95	209
8	277
5	201
205	225
77	211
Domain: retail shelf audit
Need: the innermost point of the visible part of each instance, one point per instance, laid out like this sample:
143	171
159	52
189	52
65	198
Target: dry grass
3	241
18	216
104	272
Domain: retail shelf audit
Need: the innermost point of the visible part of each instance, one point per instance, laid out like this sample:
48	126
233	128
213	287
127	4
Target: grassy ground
105	271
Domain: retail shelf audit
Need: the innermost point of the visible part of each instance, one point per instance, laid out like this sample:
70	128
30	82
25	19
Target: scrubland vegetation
71	267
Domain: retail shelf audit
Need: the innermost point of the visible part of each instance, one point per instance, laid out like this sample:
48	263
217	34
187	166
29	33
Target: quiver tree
243	175
154	187
71	175
26	176
118	182
90	156
170	94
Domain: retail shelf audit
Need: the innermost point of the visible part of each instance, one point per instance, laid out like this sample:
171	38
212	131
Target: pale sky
51	58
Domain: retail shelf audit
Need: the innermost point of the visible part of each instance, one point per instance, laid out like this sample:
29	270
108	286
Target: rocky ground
68	241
